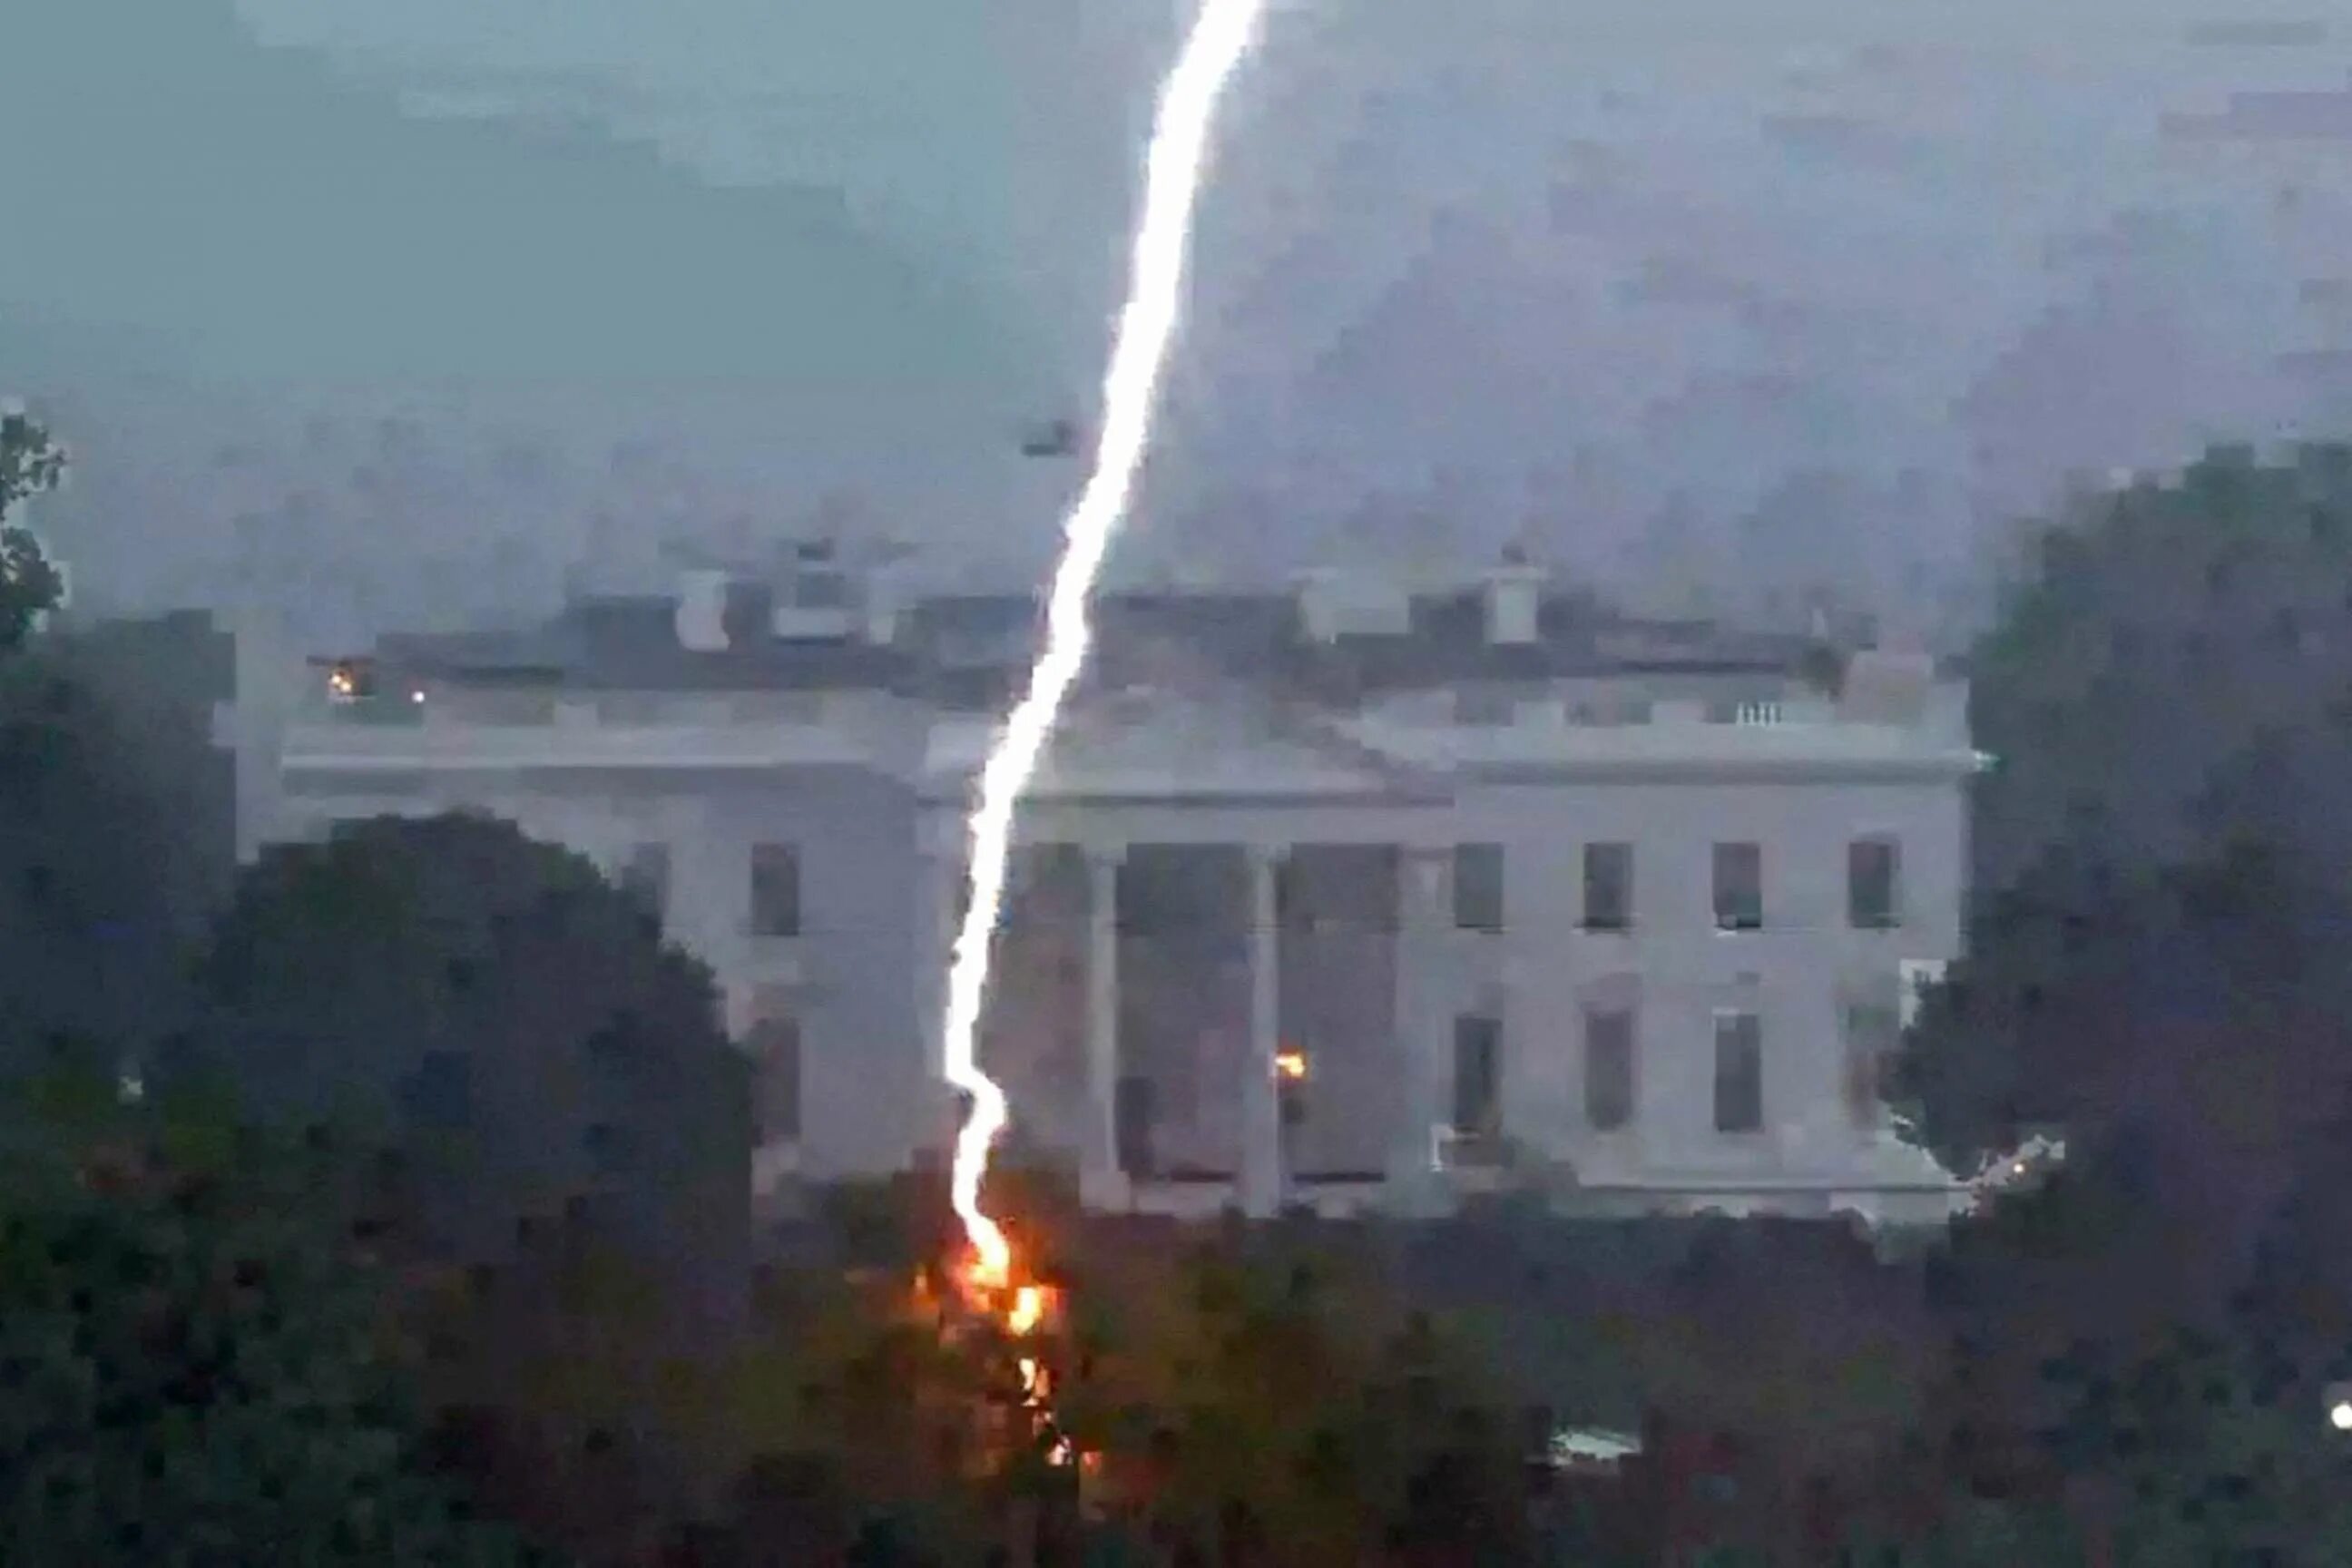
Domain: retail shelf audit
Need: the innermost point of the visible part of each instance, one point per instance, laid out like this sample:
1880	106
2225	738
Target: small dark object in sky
1055	438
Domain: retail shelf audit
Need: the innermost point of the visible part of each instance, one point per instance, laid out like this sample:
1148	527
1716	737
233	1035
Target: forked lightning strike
1221	37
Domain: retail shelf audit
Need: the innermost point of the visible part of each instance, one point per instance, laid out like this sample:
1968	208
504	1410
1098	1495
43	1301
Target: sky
1687	291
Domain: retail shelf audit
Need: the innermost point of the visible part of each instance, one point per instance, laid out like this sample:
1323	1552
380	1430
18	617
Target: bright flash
2340	1416
1173	165
1290	1064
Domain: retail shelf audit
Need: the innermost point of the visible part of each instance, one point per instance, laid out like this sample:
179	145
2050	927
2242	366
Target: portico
1240	1093
1190	857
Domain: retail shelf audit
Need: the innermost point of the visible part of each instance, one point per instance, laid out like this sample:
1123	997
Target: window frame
762	857
1479	918
1867	1055
1857	917
1487	1029
1586	861
1629	1043
1727	1030
1730	918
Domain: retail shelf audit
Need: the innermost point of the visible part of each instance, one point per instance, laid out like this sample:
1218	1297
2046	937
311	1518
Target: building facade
1352	895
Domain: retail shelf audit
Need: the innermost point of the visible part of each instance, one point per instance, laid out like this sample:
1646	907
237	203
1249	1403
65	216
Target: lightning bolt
1174	164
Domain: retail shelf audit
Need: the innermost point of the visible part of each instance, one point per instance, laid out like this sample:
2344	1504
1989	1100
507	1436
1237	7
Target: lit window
351	682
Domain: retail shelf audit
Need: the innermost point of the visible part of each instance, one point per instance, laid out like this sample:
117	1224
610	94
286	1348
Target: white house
1351	894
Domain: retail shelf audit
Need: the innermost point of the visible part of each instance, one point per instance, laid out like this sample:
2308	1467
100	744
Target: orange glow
1021	1309
1290	1064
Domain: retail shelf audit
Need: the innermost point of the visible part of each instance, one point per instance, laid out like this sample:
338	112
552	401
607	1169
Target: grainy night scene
1175	783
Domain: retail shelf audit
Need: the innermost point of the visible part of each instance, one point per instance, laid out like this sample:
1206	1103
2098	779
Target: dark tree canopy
2164	894
197	1368
98	891
2163	631
512	1019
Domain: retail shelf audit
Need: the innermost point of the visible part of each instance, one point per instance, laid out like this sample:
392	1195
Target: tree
569	1124
2162	630
2160	944
1270	1399
98	888
512	1020
198	1361
30	586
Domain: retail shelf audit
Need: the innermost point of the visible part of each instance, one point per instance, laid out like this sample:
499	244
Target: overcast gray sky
1858	277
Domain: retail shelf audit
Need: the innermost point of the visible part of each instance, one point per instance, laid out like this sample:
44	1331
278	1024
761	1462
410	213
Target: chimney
1515	600
701	613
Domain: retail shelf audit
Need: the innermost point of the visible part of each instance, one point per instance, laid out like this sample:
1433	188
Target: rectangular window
1738	1072
1873	884
1608	1067
1738	887
1608	887
1479	887
1871	1035
775	1046
1477	1076
775	890
645	877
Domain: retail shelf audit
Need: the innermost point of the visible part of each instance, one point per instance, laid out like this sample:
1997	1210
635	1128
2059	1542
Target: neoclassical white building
1355	894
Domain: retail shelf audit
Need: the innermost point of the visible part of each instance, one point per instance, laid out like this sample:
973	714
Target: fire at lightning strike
1222	36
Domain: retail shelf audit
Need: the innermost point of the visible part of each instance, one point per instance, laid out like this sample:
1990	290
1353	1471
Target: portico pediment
1163	746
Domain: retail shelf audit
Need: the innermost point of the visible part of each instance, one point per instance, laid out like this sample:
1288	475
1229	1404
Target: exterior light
417	696
1290	1064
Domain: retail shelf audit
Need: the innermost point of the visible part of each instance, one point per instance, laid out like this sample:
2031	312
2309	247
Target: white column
1102	1184
1262	1176
1423	1027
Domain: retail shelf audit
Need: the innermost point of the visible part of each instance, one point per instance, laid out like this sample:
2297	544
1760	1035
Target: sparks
1173	165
